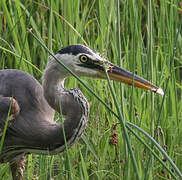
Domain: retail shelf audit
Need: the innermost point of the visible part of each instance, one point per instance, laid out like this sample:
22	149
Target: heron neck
71	103
53	84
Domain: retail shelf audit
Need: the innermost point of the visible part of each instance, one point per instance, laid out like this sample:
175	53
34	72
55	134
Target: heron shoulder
24	88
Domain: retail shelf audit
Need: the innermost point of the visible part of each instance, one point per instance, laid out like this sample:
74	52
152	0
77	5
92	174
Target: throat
53	85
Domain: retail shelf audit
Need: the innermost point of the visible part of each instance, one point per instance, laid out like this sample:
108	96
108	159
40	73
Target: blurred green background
144	37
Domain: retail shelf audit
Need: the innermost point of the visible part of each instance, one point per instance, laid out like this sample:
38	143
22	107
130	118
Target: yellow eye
83	58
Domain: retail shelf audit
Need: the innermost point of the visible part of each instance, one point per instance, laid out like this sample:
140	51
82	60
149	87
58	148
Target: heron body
31	107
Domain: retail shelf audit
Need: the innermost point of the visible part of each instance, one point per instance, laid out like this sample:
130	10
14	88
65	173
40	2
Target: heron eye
83	58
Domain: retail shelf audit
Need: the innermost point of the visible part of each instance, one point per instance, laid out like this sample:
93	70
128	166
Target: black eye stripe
89	63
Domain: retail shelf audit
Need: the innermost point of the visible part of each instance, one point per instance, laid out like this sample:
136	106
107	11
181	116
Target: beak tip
158	91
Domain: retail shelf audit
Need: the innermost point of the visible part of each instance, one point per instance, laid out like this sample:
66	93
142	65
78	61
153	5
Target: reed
141	36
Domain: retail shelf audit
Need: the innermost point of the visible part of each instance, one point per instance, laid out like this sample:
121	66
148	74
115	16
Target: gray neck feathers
70	103
53	83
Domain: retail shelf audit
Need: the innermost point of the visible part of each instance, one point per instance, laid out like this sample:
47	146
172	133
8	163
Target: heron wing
34	109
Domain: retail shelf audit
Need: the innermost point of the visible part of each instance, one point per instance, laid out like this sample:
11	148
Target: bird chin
87	72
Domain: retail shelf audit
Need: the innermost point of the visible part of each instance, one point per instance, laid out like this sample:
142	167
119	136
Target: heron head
85	61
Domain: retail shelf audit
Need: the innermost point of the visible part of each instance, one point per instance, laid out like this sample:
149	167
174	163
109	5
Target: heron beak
118	74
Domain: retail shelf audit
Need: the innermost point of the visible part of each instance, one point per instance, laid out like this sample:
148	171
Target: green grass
144	37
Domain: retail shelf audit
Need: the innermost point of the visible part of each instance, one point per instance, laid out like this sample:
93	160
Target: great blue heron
31	127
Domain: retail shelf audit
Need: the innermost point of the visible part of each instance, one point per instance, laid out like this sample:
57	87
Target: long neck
53	83
70	103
